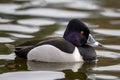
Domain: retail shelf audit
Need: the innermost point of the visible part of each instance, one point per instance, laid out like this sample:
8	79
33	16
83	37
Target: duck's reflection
82	73
71	70
53	66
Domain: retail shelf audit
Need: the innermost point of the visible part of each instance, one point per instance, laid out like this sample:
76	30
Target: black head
76	32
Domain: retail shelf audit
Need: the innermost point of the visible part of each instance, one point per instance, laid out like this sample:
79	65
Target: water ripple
108	54
103	77
58	1
20	35
49	12
108	68
83	5
32	75
36	22
8	57
110	13
110	32
8	8
5	39
117	47
18	28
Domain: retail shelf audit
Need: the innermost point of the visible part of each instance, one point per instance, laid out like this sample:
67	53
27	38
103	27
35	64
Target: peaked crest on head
76	25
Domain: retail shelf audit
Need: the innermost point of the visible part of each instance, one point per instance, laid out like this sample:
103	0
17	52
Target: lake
22	20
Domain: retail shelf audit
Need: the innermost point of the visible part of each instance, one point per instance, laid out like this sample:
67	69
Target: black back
59	42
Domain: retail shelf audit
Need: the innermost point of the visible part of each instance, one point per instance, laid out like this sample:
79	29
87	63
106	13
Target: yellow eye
81	32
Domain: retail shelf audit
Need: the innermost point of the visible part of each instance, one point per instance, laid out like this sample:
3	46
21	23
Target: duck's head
78	34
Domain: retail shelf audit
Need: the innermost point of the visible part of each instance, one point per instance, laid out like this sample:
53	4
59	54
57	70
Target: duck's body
55	50
71	47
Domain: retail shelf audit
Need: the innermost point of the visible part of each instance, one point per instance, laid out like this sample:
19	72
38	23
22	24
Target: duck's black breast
58	42
87	52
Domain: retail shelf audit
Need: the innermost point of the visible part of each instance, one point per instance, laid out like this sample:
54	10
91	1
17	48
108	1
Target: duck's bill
91	41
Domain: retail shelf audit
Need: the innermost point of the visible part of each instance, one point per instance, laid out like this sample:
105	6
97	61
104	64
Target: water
22	20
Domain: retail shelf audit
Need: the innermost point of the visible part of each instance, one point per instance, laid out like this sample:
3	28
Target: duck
76	45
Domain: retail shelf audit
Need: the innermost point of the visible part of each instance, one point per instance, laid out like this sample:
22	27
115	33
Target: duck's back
30	47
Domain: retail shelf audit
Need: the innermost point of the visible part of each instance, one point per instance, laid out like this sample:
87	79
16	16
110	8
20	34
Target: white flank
49	53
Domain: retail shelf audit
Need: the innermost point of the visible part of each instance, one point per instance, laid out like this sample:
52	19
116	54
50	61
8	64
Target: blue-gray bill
91	41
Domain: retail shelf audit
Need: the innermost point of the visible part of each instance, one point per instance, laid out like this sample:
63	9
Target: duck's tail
10	46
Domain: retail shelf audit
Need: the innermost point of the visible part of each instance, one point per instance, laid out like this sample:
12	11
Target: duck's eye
81	32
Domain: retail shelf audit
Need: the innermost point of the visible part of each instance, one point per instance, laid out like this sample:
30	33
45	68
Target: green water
22	20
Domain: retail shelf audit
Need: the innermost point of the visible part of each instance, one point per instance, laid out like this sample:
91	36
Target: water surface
22	20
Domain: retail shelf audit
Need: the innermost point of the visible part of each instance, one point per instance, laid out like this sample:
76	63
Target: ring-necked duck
74	46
